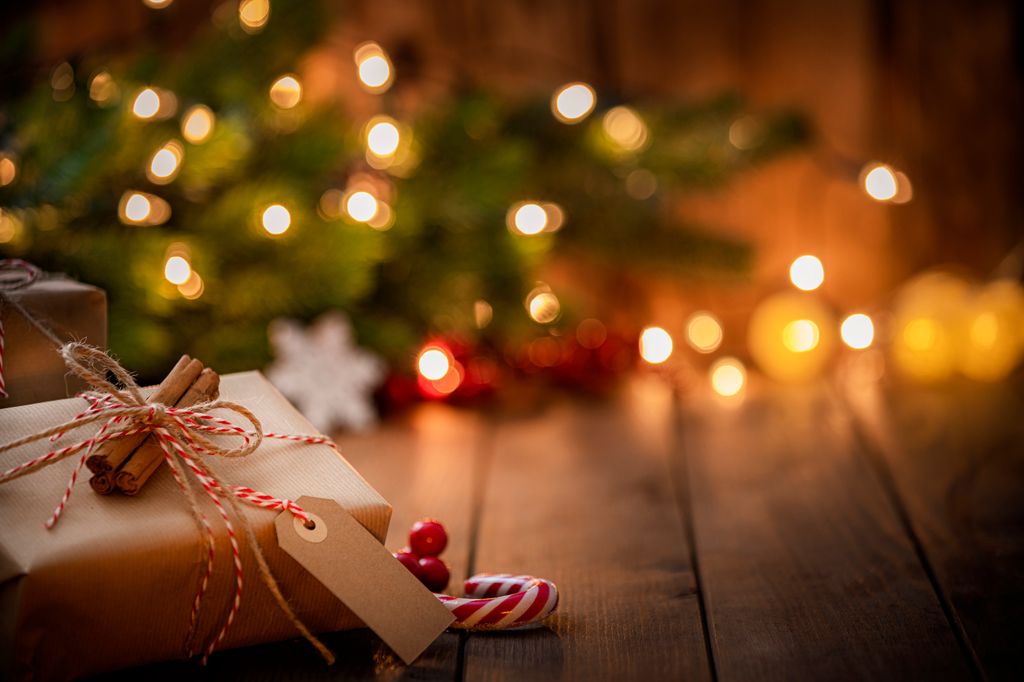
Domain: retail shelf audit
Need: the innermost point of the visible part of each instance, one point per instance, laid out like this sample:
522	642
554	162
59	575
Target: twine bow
14	274
186	437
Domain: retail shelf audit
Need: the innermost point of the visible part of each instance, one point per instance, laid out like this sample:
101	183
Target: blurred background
550	190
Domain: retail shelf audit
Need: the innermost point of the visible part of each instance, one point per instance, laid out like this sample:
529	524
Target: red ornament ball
433	573
428	538
410	561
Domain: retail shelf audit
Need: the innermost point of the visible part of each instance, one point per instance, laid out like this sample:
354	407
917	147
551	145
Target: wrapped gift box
33	370
112	584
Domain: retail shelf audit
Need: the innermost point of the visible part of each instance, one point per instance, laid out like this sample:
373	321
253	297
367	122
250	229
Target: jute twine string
121	411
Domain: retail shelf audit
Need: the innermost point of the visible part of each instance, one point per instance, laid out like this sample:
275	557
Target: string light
382	137
801	336
177	270
276	219
62	80
383	219
542	305
193	287
880	181
655	345
374	67
728	376
197	124
807	273
102	89
253	15
703	332
10	226
483	313
625	128
527	218
8	169
361	206
433	363
165	163
286	92
157	4
573	102
142	208
857	331
146	104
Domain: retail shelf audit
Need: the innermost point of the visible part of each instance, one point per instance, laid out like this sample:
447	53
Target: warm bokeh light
791	336
382	137
641	184
573	102
807	273
103	89
991	337
286	92
543	305
555	216
157	4
276	219
434	363
374	67
927	314
193	288
728	376
880	182
141	208
655	345
483	313
528	218
165	163
625	128
745	133
857	331
197	124
591	333
177	270
10	226
8	170
146	104
383	219
800	336
361	206
704	332
253	15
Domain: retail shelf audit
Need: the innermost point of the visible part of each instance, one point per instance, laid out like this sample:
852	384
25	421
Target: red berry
433	573
427	537
410	561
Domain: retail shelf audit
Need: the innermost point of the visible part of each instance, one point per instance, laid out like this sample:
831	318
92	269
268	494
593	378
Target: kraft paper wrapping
112	585
33	370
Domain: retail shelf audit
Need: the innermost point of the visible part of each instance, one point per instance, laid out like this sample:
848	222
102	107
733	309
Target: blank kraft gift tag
359	571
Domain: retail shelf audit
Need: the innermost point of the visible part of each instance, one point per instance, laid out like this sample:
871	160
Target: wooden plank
806	570
955	456
422	464
581	494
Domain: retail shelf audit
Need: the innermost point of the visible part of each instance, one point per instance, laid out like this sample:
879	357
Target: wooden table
851	529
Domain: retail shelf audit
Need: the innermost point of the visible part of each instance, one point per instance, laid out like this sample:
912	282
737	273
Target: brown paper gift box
33	369
112	584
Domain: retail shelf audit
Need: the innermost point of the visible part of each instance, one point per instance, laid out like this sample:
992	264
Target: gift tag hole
312	530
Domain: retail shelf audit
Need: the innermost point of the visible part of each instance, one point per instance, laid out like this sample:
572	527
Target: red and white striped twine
14	274
183	435
496	601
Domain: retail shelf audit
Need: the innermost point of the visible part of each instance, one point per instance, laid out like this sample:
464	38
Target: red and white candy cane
496	601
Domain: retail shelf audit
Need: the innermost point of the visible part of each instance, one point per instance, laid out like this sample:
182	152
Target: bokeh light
146	104
880	182
542	305
197	124
991	335
807	273
374	67
286	92
791	336
655	345
142	208
857	331
361	206
801	336
253	15
703	332
276	219
177	270
528	218
382	137
103	89
625	128
591	333
8	169
483	313
165	163
728	376
926	316
573	102
192	288
433	363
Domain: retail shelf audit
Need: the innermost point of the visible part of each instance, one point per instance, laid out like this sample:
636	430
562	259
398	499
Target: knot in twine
120	409
14	274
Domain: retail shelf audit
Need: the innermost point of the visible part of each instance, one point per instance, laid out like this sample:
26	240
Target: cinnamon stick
110	455
102	483
146	460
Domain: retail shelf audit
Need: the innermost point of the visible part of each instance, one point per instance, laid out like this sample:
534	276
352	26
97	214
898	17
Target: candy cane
497	601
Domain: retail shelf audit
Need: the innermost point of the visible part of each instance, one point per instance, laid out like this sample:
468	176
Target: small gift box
115	583
30	366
